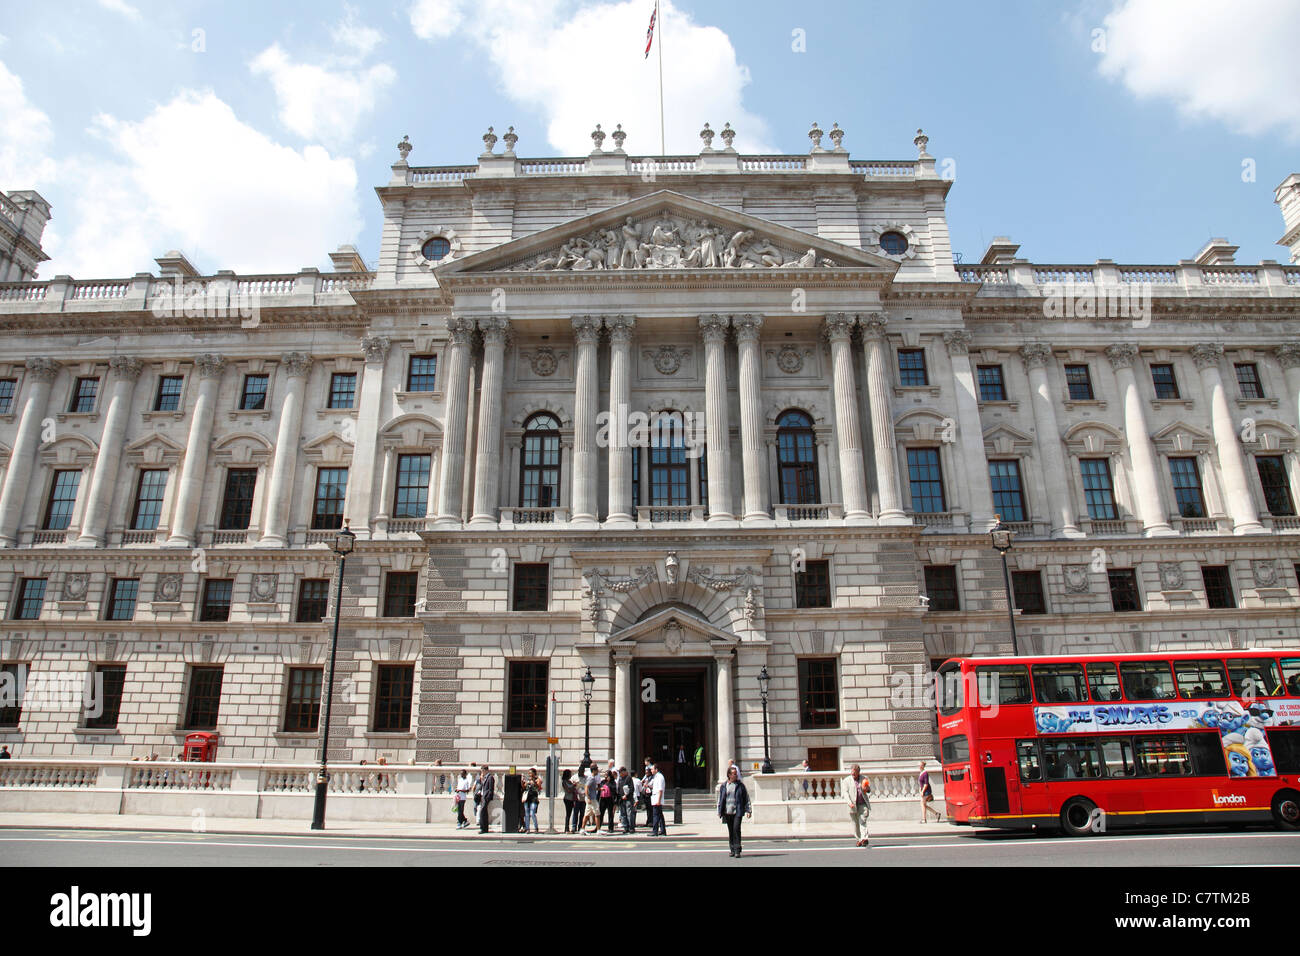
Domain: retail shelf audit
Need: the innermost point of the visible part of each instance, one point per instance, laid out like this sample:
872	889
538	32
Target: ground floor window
395	684
526	706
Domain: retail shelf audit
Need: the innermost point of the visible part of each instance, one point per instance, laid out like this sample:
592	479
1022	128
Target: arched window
539	466
796	456
670	474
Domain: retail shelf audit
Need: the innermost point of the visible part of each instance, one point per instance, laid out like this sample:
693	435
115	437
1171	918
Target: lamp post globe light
763	679
344	541
588	682
1002	537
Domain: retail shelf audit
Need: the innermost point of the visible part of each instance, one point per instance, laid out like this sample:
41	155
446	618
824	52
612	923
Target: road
88	848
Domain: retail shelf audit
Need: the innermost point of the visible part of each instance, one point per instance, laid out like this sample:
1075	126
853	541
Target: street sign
552	740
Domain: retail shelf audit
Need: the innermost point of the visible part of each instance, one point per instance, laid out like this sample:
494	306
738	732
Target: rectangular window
992	387
1207	755
1027	586
1164	381
1071	759
31	597
237	505
343	389
63	498
1003	684
526	706
399	593
812	585
302	709
205	698
1254	678
819	693
1103	681
532	587
313	600
636	478
8	387
1147	680
1098	491
254	394
216	599
1218	586
1291	673
411	499
1199	679
911	368
83	395
1272	480
109	680
1030	768
1163	756
1079	383
1248	380
941	587
168	398
926	480
149	499
394	687
1124	590
1186	477
331	489
1008	496
12	680
1059	683
122	594
1118	757
422	376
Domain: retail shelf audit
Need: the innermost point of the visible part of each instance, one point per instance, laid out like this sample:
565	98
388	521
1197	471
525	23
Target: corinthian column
1150	505
621	513
882	418
1289	356
971	432
1245	519
1048	433
210	368
747	328
726	711
487	470
279	495
717	428
586	330
41	372
94	526
455	392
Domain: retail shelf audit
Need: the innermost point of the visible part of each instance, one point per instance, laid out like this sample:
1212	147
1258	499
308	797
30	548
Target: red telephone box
201	746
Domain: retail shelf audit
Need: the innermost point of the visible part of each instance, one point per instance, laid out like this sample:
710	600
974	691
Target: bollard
677	805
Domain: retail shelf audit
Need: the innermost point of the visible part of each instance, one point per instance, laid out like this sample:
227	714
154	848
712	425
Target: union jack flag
650	33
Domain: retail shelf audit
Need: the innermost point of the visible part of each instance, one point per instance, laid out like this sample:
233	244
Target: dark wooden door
824	759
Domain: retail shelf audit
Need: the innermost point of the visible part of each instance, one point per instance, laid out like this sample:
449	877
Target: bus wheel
1286	810
1076	816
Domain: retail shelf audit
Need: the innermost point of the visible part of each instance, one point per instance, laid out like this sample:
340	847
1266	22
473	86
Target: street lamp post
587	683
343	544
1002	537
763	680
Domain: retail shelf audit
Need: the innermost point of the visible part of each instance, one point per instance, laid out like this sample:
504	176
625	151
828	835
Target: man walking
627	800
856	788
657	786
733	803
486	788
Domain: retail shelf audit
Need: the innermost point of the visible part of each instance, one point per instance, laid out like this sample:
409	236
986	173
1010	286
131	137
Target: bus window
1059	683
1285	745
956	750
1147	680
1200	679
1291	674
1254	678
1071	759
1163	756
950	689
1103	681
1030	771
1207	755
1004	684
1118	758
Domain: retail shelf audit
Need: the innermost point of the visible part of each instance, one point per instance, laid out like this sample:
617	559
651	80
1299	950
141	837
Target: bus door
1030	795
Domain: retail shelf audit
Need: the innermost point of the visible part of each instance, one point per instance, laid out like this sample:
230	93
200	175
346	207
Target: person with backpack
591	820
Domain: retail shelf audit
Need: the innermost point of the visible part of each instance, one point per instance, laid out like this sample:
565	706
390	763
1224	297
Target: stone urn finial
597	138
837	135
921	141
815	134
727	134
404	147
489	142
510	139
618	136
706	137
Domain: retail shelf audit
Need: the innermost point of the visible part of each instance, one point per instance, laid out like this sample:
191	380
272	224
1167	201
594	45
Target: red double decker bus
1092	743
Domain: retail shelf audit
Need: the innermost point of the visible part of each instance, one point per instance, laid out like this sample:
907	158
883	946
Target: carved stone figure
671	567
1076	578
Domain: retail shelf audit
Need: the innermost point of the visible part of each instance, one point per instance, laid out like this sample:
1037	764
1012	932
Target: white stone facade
725	288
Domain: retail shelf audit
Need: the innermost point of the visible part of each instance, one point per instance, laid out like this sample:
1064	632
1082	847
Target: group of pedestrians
591	796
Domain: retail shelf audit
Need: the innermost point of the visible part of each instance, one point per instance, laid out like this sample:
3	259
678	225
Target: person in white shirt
657	786
463	786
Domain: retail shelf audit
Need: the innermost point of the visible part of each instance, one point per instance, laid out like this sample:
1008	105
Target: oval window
436	248
894	243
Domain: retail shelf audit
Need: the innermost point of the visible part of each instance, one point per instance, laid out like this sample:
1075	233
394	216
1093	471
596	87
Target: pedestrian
856	790
701	777
579	802
804	767
4	753
532	796
591	820
486	791
657	786
733	802
679	766
566	791
463	786
927	796
647	779
627	794
732	765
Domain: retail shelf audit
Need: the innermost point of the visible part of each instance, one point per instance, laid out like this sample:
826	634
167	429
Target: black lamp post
1002	537
763	680
343	544
588	682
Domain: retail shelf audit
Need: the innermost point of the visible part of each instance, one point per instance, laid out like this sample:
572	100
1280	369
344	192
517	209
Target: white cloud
319	103
351	32
191	175
122	7
582	65
1234	63
25	138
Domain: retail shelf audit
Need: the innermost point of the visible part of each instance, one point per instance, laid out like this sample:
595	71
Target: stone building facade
674	423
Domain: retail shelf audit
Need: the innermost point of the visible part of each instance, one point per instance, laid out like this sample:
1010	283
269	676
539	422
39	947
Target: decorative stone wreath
913	244
437	232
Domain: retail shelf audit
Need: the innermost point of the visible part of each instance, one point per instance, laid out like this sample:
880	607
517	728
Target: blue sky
251	135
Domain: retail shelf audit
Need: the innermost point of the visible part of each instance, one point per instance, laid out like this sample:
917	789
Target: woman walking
579	803
532	796
566	788
607	786
591	820
927	796
463	786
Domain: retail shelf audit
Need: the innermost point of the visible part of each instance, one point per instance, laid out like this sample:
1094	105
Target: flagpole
663	151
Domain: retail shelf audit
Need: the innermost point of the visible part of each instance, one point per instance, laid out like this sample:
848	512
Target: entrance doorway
674	723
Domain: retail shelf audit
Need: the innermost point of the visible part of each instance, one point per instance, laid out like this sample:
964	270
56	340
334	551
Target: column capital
42	369
714	328
495	329
874	325
1207	355
1035	355
296	364
125	367
1122	355
838	326
586	329
747	325
957	341
620	328
210	364
459	330
376	348
1289	355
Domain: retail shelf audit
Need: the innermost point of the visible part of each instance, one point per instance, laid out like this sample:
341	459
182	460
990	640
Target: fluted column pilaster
879	390
1060	514
586	333
622	510
970	432
713	328
295	366
22	458
726	710
1232	464
757	495
1150	503
455	392
103	481
487	470
210	368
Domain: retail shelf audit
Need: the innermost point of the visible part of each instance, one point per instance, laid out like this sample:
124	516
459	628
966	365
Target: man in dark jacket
733	803
486	790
